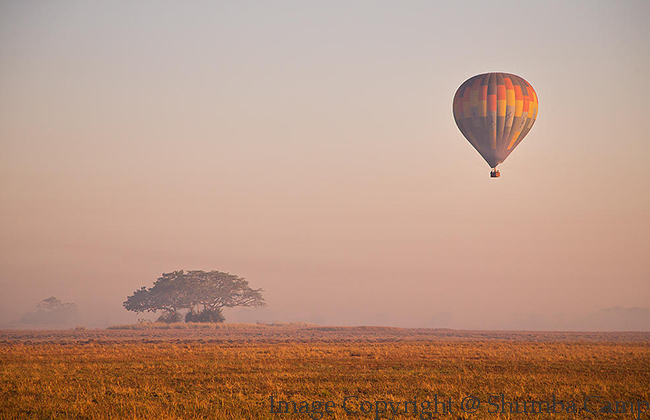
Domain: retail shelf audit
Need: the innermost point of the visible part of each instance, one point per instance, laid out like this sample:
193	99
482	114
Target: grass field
232	373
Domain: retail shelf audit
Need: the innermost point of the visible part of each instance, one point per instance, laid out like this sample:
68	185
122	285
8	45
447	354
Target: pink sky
312	150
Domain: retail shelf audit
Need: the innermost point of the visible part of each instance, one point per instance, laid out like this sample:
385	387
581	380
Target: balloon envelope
495	111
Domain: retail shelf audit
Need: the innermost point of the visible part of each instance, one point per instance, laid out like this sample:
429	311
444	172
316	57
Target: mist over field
311	149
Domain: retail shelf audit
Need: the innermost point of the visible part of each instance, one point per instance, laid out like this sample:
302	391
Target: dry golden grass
204	326
187	378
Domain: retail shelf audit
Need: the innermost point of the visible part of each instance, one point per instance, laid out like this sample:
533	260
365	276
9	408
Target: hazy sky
310	148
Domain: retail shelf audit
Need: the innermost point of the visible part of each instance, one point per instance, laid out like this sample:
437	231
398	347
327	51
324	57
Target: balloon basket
495	173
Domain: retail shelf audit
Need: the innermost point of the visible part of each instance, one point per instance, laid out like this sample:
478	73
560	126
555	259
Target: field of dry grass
232	373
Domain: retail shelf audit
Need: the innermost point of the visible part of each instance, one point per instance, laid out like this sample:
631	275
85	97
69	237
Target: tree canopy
202	294
52	311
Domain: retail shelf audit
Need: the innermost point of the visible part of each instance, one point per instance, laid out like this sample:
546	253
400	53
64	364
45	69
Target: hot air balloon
495	111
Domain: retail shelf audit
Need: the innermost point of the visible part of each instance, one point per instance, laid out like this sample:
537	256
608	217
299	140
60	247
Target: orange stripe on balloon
501	92
514	139
491	102
501	108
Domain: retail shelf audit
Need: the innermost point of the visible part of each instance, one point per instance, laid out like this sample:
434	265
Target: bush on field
169	318
206	315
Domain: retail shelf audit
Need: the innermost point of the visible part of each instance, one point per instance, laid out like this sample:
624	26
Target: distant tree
51	304
202	294
52	311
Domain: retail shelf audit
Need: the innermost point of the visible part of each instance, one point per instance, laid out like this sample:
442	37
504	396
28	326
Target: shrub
206	315
169	318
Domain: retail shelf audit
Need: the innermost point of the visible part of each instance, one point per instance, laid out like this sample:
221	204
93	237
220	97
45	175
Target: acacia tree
167	295
210	292
203	294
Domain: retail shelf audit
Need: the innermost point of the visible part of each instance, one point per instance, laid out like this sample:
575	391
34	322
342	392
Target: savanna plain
233	371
